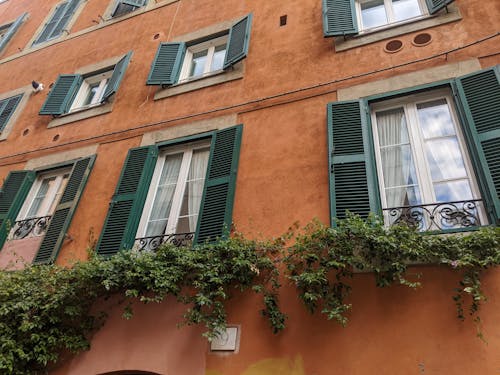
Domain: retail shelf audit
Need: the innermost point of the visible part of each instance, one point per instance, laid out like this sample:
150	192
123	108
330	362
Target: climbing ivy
46	310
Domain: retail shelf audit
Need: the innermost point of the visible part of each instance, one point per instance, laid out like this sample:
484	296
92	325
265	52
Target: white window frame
390	15
50	197
187	150
209	45
409	103
85	87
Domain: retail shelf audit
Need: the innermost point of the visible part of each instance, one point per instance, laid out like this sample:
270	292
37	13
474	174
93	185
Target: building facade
124	123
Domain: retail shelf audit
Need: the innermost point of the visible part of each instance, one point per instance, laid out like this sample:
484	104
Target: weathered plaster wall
291	73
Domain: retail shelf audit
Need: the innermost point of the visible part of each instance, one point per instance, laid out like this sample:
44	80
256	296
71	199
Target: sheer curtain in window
196	177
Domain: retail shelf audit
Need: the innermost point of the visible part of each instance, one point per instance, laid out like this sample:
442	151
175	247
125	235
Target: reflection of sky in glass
453	191
445	159
405	9
198	64
218	60
435	119
373	13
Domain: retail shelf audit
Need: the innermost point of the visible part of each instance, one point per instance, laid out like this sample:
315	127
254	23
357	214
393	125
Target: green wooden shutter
68	13
62	94
479	99
167	64
61	219
12	30
339	18
7	108
134	3
51	24
353	184
238	41
436	5
12	196
126	205
216	210
116	78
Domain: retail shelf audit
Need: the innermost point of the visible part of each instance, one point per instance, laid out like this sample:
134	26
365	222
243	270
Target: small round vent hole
393	46
56	138
422	39
26	132
156	36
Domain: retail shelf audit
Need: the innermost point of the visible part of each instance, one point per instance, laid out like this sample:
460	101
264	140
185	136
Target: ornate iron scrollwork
438	216
32	227
152	243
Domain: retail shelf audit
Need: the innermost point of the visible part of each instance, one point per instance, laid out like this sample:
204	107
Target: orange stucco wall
291	73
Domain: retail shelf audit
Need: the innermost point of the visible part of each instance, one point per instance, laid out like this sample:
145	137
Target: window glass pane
435	119
93	89
453	191
219	56
405	9
398	167
193	193
373	13
35	209
164	194
445	158
198	63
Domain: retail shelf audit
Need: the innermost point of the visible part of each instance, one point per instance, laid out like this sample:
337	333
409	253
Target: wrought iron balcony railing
438	216
152	243
32	227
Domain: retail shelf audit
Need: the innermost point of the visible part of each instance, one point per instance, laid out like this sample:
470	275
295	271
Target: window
174	198
76	92
422	163
58	21
350	17
181	192
42	203
126	6
91	91
377	13
7	108
430	157
7	31
203	59
184	61
44	195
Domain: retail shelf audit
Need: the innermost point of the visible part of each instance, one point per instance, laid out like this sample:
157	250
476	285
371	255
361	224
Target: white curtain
196	177
396	155
163	199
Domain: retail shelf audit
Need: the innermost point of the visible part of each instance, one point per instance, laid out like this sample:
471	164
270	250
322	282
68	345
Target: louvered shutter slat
352	188
117	76
51	24
12	30
339	18
436	5
66	207
69	11
62	94
12	196
479	95
217	204
238	41
167	64
127	203
7	108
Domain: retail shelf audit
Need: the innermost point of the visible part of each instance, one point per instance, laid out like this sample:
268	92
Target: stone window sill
81	115
196	84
